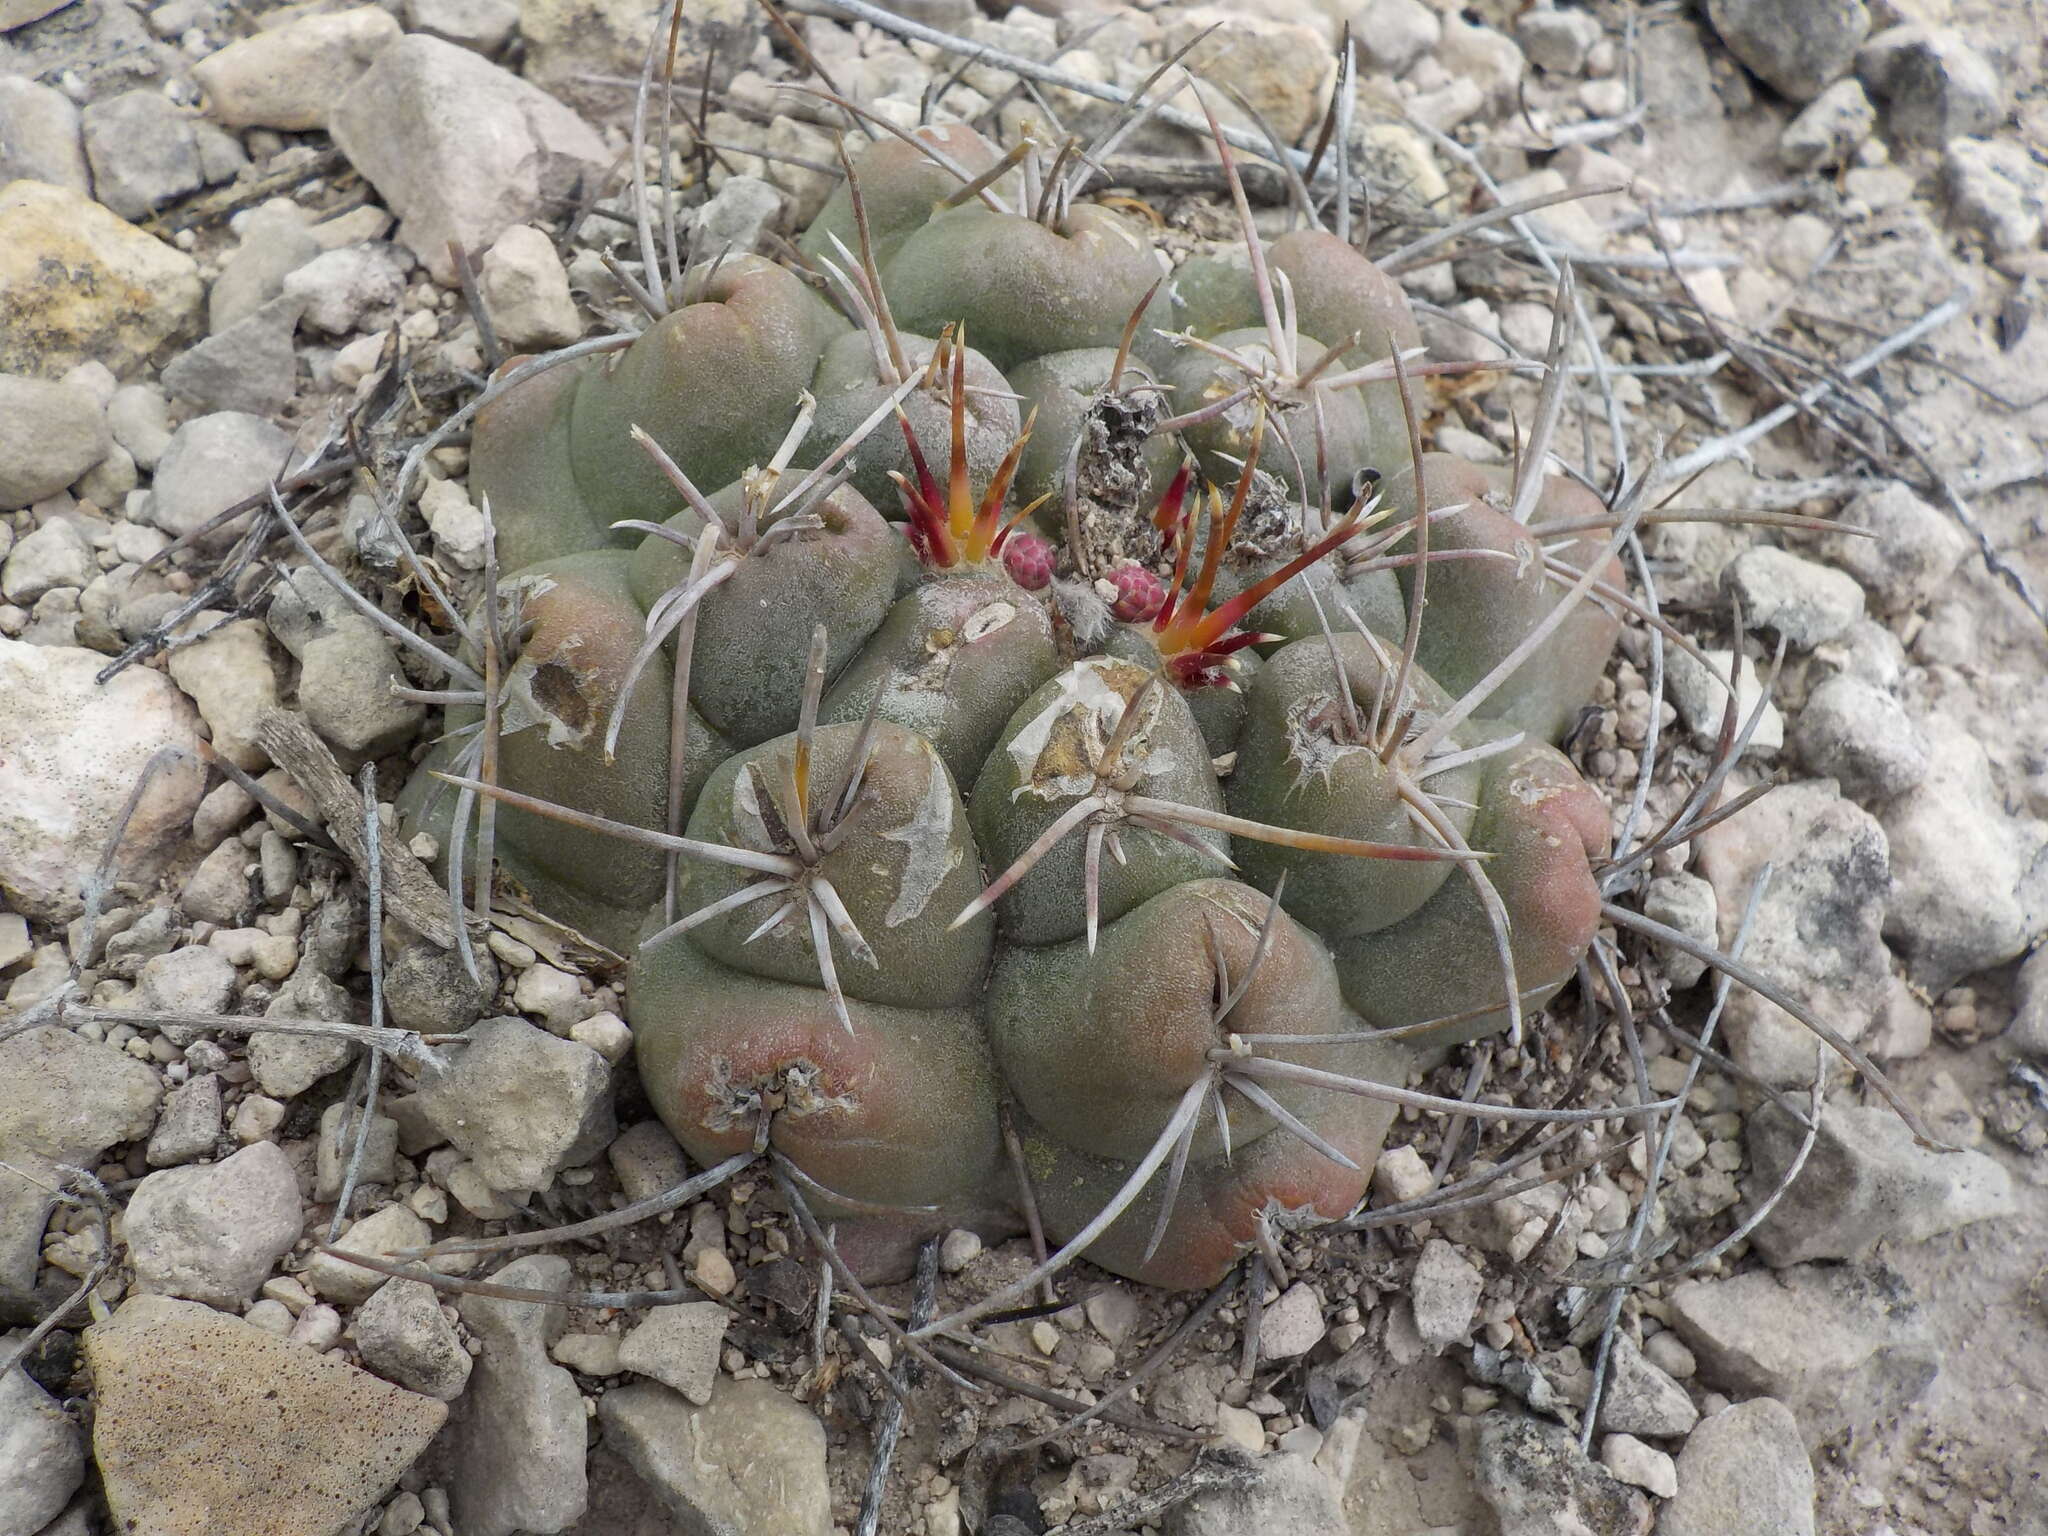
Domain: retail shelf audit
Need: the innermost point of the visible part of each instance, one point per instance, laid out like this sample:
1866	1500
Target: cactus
1003	694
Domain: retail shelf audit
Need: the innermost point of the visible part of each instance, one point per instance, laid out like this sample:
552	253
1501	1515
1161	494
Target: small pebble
517	956
592	1354
1240	1426
257	1119
713	1273
402	1516
1401	1174
1668	1352
959	1249
429	1204
288	1292
319	1326
1345	1336
552	995
1303	1440
1113	1312
1292	1325
271	1317
606	1034
1643	1465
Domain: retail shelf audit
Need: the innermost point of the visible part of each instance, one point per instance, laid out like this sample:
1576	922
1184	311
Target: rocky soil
243	245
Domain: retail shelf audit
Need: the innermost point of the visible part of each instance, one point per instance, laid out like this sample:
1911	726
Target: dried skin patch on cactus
1313	746
1065	749
556	690
951	662
900	851
797	1089
930	850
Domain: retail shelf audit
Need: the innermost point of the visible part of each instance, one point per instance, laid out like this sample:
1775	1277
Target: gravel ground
225	239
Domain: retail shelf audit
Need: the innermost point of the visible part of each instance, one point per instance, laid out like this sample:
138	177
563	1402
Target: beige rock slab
19	13
207	1425
288	76
71	753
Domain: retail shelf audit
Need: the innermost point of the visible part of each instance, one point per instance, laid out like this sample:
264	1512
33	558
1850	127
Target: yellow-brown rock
79	283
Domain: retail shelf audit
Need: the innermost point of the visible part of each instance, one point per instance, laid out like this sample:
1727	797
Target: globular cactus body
1543	827
1502	599
1036	764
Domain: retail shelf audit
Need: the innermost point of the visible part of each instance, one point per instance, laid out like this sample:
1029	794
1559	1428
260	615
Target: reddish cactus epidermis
1099	1048
1221	1203
900	1111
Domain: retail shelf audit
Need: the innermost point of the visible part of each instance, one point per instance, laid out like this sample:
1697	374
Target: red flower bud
1029	560
1139	594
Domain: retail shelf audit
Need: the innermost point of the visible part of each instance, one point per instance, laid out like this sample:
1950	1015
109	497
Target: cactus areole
1040	737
